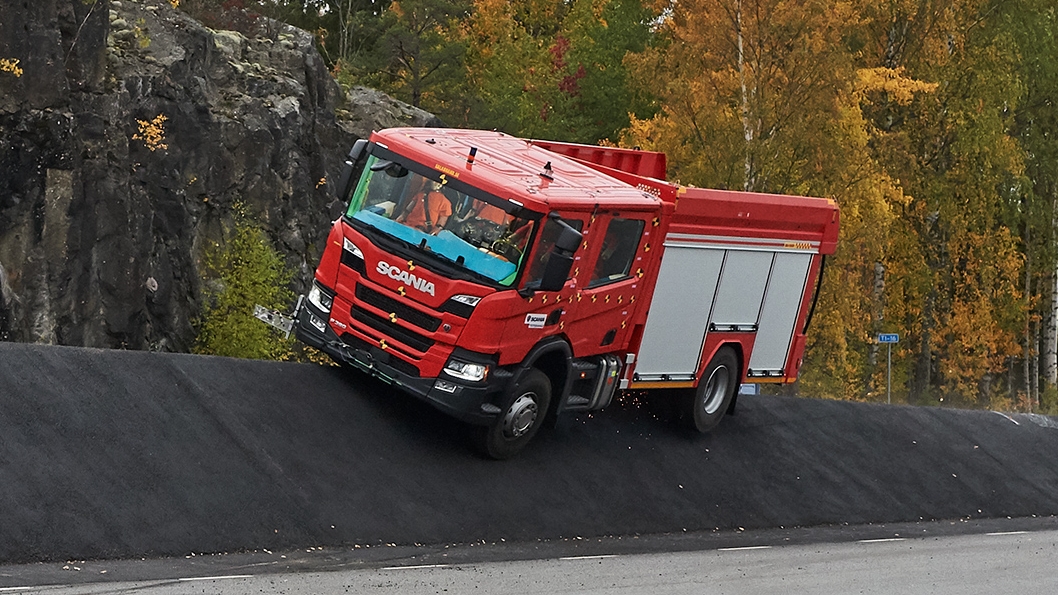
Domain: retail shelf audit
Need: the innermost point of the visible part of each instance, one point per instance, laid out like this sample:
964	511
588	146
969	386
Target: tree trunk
345	28
1050	331
1034	396
924	361
1028	355
747	128
878	318
1050	335
984	389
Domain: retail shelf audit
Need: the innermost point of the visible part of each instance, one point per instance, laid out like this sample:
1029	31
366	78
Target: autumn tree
554	69
243	271
1033	25
842	358
955	290
746	87
418	57
899	111
767	96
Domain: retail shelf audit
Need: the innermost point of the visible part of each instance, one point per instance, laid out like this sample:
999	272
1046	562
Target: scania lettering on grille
384	268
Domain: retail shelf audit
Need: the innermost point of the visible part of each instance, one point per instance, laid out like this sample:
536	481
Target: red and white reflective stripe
737	243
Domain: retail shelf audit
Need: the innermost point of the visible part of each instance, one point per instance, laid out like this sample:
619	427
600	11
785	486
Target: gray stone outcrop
127	133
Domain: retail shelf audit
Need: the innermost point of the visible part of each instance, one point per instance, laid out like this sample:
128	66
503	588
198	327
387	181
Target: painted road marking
567	558
881	540
1007	533
414	567
748	547
2	589
215	578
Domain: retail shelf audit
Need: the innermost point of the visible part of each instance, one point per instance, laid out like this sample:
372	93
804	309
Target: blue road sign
888	338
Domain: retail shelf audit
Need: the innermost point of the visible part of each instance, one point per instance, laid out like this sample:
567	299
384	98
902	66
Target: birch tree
1034	26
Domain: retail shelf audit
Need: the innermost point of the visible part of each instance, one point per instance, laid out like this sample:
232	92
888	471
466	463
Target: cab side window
618	251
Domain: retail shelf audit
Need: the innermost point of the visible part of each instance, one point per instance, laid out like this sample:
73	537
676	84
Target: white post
889	374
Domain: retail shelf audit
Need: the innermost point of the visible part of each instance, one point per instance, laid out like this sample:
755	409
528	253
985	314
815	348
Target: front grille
403	311
392	329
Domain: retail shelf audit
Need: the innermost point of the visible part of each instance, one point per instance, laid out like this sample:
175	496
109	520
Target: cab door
608	281
542	314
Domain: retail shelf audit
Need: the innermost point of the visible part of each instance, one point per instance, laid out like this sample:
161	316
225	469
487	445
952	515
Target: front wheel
711	399
522	415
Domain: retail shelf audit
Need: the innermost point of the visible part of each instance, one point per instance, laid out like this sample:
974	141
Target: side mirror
560	262
568	238
353	164
393	170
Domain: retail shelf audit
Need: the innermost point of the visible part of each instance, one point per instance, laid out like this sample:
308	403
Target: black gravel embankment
107	454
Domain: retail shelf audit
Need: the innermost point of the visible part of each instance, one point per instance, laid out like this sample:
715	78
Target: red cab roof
512	168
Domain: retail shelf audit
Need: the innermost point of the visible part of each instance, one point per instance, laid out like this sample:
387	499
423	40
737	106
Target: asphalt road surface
124	455
986	563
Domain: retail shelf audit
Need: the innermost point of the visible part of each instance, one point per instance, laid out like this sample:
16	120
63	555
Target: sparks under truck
506	281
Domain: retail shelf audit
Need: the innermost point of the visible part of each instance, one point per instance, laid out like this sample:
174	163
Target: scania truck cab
460	273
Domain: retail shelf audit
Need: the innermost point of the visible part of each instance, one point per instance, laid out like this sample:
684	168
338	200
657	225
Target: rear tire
708	403
522	415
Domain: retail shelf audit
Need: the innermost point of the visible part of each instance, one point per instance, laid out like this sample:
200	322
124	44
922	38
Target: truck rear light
321	299
468	371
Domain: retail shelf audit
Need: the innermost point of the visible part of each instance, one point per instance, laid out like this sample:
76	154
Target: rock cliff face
127	133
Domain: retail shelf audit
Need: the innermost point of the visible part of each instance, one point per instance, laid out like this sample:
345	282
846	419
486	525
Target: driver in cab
428	210
493	213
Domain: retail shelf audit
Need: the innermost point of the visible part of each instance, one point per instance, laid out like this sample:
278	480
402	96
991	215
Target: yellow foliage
10	65
893	82
152	133
311	354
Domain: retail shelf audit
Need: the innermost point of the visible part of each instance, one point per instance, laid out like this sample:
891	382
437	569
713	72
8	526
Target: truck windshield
487	238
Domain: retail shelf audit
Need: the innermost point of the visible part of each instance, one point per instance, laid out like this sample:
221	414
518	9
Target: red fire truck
506	281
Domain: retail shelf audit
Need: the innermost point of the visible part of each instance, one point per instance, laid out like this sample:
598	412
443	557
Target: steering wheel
480	231
505	247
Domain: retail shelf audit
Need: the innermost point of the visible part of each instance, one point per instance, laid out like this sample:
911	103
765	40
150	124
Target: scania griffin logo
384	268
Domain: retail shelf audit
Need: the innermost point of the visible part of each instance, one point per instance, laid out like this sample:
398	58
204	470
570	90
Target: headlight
353	257
351	248
466	370
461	305
470	300
319	299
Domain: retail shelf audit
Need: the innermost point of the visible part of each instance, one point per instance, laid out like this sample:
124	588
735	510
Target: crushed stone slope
108	454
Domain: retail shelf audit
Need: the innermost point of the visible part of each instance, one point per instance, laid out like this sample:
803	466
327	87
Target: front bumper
473	403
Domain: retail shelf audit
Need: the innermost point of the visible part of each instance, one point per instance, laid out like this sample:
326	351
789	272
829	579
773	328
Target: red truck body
542	277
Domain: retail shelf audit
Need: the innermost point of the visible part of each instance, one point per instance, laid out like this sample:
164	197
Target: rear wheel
522	415
709	402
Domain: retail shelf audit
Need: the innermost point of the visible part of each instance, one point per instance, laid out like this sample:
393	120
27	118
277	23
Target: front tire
522	415
711	399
